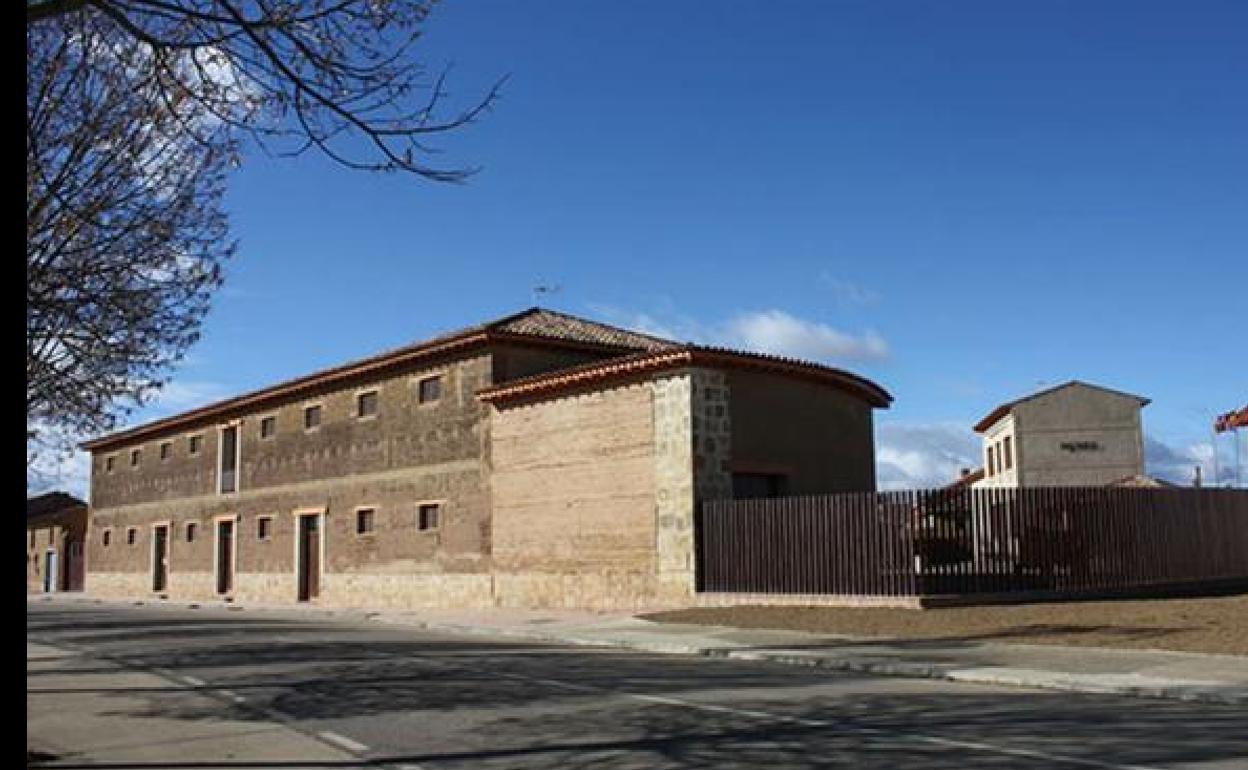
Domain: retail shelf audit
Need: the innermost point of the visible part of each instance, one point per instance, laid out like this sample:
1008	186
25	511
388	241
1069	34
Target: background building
1074	434
56	529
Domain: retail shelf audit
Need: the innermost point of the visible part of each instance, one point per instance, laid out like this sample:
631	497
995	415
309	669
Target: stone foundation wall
593	590
429	591
119	585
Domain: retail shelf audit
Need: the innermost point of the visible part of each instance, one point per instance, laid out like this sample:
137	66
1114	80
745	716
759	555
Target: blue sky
963	201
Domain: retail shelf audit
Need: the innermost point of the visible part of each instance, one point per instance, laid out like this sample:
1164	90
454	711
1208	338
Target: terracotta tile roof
1140	480
51	503
996	414
628	367
966	479
538	322
535	325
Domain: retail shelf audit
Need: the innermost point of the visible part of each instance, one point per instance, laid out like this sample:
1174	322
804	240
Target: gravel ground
1217	625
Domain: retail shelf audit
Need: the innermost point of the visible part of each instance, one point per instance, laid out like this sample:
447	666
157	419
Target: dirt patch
1218	625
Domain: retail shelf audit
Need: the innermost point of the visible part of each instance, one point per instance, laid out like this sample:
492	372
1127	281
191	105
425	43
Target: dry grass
1217	625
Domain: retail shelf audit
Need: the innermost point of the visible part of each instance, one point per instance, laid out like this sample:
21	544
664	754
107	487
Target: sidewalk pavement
1141	673
83	710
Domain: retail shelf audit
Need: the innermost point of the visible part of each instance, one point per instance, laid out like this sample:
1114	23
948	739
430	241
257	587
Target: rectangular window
751	485
992	468
1008	454
134	458
311	417
165	450
107	537
366	404
109	462
427	517
268	427
130	536
229	459
364	521
32	539
190	532
429	389
264	527
194	443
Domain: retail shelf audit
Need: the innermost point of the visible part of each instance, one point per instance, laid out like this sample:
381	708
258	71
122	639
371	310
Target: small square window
427	517
130	535
366	404
166	449
364	521
134	458
429	390
311	417
268	427
109	463
264	528
190	532
107	537
194	443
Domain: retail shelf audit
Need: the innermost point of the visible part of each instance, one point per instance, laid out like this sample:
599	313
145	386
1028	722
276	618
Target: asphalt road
390	697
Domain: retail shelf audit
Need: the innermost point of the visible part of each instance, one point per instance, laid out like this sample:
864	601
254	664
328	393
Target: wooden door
74	566
225	557
160	558
309	566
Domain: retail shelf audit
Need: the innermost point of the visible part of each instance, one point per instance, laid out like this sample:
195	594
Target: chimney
964	472
1196	483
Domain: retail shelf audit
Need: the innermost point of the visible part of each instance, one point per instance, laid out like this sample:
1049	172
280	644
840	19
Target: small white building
1075	434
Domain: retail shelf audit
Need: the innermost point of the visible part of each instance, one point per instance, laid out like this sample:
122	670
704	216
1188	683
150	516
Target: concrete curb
1008	677
999	676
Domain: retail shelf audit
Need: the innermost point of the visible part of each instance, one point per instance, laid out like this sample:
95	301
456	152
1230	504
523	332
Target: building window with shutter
364	521
429	390
427	516
312	417
366	405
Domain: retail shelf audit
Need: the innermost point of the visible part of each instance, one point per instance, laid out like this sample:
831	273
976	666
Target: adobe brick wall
572	483
594	493
55	532
821	438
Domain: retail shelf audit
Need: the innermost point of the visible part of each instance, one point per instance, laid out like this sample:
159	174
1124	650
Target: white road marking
194	682
767	716
343	742
233	696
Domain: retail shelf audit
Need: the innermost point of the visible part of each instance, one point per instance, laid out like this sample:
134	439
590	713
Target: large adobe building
536	460
1073	434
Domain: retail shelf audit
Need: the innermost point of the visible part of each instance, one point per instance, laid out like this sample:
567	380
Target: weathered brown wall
56	532
820	437
511	362
408	454
573	483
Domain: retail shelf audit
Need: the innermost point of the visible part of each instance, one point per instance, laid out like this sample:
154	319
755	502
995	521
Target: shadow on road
320	672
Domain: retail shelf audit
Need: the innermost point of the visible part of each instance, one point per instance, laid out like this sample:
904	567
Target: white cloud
59	466
848	293
763	331
181	395
921	455
775	331
1177	464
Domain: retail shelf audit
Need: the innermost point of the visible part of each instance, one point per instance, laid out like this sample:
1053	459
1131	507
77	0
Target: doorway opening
308	560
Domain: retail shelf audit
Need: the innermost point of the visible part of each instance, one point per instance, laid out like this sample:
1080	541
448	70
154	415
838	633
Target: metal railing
968	541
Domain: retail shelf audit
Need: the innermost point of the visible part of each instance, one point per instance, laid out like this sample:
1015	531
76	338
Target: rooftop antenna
541	289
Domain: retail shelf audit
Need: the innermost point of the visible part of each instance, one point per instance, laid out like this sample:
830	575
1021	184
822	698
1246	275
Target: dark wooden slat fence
968	541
